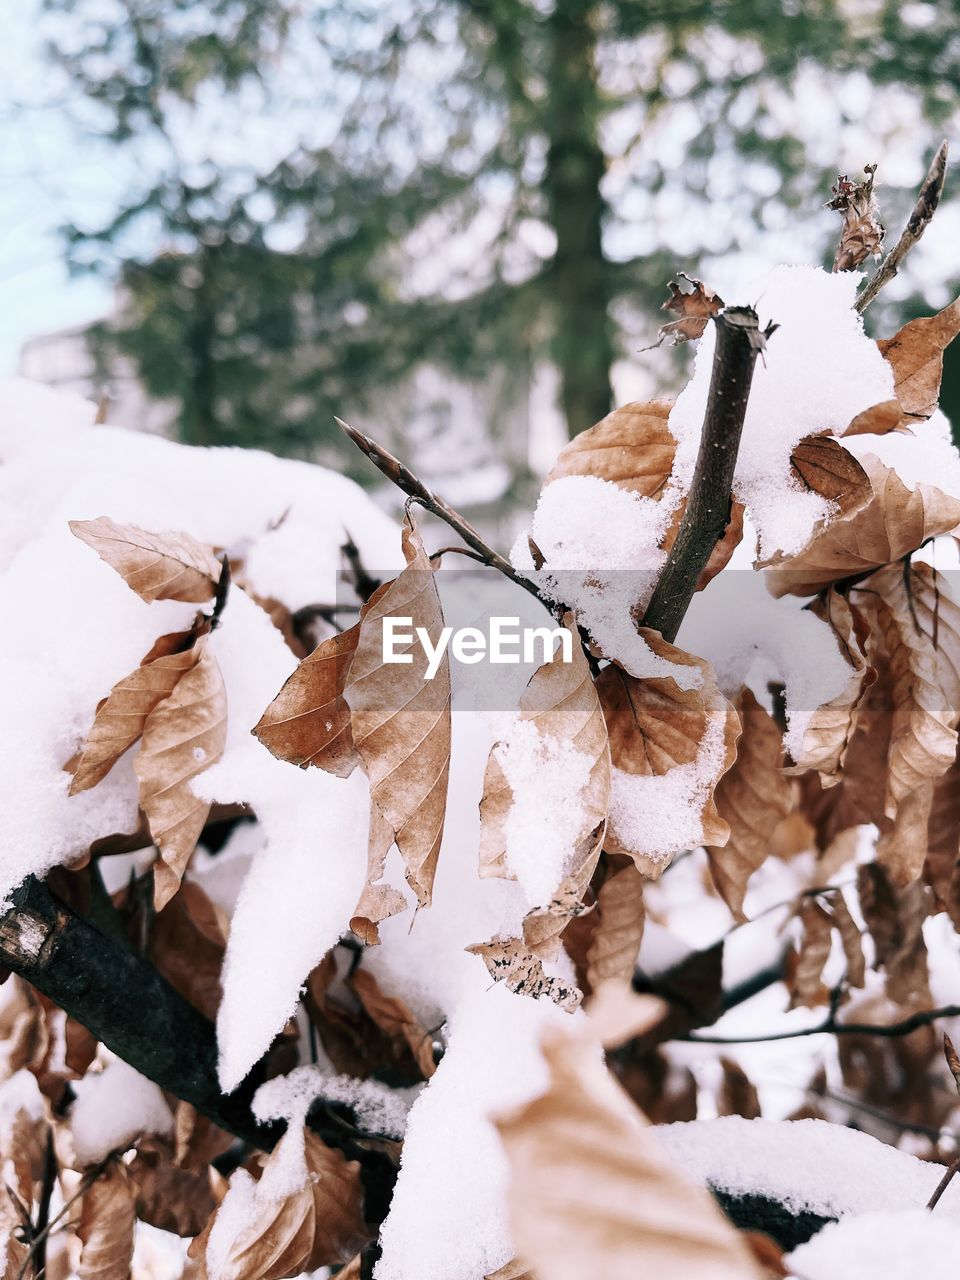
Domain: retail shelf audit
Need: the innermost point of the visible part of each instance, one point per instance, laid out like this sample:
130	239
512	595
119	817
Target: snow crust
819	371
113	1108
896	1246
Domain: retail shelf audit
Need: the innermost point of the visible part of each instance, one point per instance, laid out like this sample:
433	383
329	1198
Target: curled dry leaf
942	867
394	1019
829	730
157	566
618	929
187	941
632	447
107	1221
122	715
821	465
916	354
183	735
862	232
319	1225
401	720
804	981
894	522
894	918
952	1060
654	727
509	961
850	938
592	1195
378	901
169	1197
694	304
752	798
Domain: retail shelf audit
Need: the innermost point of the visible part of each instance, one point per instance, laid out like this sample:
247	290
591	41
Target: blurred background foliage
324	195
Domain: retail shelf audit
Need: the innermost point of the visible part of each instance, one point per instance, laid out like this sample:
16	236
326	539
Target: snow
546	815
928	456
448	1218
806	1164
114	1107
819	371
377	1107
891	1245
657	816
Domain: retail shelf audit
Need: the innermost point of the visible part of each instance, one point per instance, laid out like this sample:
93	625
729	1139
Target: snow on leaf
254	1235
752	798
308	722
670	744
121	716
401	720
828	732
509	961
592	1194
107	1221
894	522
157	566
559	759
183	735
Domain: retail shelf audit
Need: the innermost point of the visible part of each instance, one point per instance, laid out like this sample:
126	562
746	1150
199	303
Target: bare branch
924	209
830	1026
739	342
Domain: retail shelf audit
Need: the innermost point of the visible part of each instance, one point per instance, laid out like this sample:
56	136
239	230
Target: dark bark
739	342
583	347
790	1228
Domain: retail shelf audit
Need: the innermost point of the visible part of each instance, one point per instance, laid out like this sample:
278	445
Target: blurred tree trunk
583	341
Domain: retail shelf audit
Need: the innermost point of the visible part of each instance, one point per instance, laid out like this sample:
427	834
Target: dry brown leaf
850	938
512	1270
308	722
879	419
169	1197
804	981
187	945
862	233
893	523
378	901
561	702
545	926
618	932
694	304
394	1019
157	566
738	1095
320	1225
942	868
830	729
121	716
80	1046
197	1140
107	1220
592	1195
894	917
752	798
183	735
654	726
509	961
821	465
401	721
952	1060
916	354
632	447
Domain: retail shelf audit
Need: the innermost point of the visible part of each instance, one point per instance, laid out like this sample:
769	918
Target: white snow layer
882	1246
806	1164
75	628
819	371
113	1108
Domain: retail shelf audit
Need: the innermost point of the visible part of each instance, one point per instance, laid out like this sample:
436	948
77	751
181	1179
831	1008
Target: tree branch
830	1026
739	342
924	209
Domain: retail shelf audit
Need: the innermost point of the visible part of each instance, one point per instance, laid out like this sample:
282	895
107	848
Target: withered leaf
401	720
752	798
107	1220
561	702
319	1225
850	938
894	916
308	722
378	901
894	522
168	1197
157	566
183	735
942	868
694	304
655	726
618	932
121	716
633	448
590	1192
916	354
394	1019
804	980
823	466
953	1062
738	1095
187	944
509	961
862	233
512	1270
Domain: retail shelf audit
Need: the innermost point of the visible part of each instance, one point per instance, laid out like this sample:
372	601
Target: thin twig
924	209
89	1178
404	479
830	1026
739	342
944	1182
